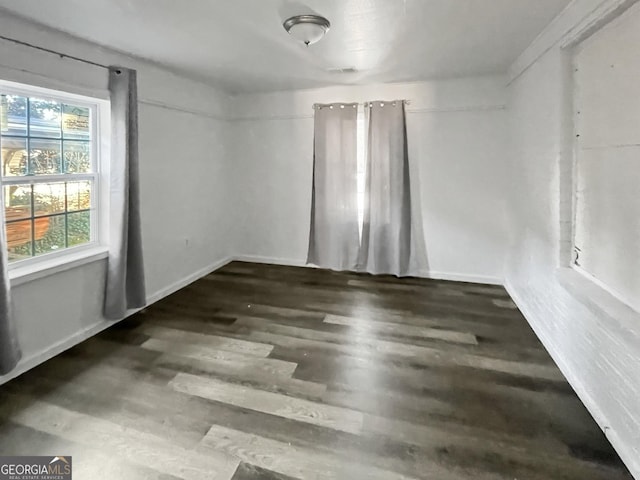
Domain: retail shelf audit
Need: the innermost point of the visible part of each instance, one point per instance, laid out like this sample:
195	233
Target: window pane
78	196
77	156
75	122
43	136
13	117
49	198
17	202
45	118
14	156
19	239
50	233
45	157
78	228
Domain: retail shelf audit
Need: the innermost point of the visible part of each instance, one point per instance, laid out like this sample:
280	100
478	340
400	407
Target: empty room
320	239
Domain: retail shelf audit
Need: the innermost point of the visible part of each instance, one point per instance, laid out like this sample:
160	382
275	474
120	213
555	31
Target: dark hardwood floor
269	372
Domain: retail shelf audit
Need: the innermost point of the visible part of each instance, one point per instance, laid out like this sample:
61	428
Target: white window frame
48	263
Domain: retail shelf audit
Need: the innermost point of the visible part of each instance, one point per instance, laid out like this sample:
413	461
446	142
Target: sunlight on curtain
362	163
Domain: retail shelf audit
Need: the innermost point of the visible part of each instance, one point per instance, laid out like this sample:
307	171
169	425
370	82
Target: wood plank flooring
281	373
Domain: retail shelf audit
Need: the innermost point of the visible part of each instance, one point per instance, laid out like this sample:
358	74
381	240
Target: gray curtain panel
9	349
389	243
334	237
125	287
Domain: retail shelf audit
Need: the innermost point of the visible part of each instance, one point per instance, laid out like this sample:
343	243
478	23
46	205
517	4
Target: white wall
595	341
185	194
456	135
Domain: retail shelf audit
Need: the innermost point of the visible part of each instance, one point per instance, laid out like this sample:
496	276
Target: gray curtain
334	238
9	349
391	244
125	287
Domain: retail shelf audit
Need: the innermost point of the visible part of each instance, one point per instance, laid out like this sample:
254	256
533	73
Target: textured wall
595	342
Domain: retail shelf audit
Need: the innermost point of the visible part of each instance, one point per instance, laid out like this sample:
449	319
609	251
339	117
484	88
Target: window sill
599	300
27	273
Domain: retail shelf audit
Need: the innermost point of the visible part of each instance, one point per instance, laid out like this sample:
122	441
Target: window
49	171
361	150
607	159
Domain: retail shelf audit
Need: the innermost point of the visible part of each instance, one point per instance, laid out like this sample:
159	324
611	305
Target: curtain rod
54	52
354	104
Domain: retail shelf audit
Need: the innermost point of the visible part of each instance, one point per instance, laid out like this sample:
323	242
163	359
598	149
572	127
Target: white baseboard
627	456
289	262
463	277
183	282
456	277
78	337
56	349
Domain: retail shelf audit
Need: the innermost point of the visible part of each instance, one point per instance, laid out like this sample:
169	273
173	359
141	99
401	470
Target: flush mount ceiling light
307	28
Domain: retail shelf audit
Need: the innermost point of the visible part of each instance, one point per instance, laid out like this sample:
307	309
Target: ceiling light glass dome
308	29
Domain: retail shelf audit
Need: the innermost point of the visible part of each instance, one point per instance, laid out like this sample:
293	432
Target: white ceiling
241	46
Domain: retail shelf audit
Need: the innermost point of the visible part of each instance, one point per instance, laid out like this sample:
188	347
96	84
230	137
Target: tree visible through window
48	174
